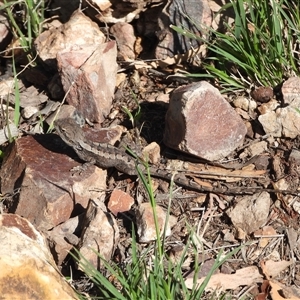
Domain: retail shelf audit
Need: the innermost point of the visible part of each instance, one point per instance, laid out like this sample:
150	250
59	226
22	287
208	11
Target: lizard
105	156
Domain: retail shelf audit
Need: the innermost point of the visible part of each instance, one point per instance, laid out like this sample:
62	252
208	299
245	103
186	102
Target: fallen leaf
243	277
263	233
275	267
277	289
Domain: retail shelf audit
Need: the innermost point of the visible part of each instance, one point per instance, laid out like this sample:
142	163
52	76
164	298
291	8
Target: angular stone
104	135
251	212
83	70
290	89
270	123
40	167
102	4
119	201
245	104
27	268
101	234
290	122
151	153
78	31
64	237
284	122
257	148
201	122
295	155
267	107
145	222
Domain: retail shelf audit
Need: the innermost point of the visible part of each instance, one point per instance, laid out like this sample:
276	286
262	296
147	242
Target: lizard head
69	131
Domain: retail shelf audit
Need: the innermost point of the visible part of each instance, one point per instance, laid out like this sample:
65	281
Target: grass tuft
261	48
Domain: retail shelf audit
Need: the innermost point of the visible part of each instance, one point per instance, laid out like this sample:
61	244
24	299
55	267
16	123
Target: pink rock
119	201
83	71
78	31
201	122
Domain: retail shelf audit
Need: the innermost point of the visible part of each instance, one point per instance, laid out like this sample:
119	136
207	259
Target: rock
27	268
250	132
290	120
251	212
284	122
171	42
104	135
145	222
262	162
268	107
79	31
256	148
296	207
201	122
119	201
82	72
40	167
151	153
290	89
124	34
29	111
101	234
162	97
64	237
243	103
270	123
243	114
262	94
295	156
